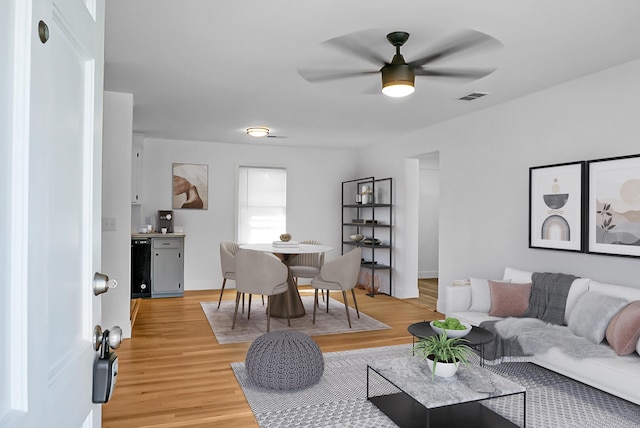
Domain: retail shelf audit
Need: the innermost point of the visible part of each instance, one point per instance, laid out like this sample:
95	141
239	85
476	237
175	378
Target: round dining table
287	253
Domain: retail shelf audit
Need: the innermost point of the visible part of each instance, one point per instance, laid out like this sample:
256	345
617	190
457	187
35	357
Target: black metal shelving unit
372	218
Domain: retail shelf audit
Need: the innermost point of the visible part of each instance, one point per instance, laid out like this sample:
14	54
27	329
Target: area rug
333	322
339	399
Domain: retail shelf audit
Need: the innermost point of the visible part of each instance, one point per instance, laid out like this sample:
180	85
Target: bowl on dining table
356	237
452	333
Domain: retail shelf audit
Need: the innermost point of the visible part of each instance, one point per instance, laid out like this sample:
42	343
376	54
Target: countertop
157	235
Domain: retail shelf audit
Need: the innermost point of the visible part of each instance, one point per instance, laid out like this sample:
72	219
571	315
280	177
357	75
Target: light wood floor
173	373
428	288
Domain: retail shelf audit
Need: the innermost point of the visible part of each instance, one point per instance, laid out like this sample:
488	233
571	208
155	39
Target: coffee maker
165	219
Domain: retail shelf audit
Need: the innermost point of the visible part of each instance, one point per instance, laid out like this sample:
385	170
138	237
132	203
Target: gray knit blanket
549	293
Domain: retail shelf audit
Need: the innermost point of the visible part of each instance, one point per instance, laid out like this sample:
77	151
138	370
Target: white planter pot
443	369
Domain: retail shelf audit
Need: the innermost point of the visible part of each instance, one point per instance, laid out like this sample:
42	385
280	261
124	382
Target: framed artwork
556	202
614	206
190	186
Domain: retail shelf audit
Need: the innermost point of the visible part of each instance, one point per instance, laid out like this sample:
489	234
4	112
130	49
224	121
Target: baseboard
427	274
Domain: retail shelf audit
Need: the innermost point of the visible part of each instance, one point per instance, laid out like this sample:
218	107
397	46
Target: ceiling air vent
473	96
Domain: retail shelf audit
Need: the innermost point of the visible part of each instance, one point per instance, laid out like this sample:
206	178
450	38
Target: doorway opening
428	228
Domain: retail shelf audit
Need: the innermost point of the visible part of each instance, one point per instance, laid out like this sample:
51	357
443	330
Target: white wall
116	204
484	165
428	216
7	331
313	196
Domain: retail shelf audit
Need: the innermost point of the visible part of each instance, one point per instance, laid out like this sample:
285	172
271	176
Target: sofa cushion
480	295
629	293
624	329
516	275
509	299
592	314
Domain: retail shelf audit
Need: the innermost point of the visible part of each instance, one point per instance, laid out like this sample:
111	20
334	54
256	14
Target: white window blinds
262	204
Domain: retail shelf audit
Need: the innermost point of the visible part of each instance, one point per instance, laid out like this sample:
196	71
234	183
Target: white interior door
55	220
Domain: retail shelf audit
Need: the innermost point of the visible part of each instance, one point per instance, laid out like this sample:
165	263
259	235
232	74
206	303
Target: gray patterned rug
339	399
333	322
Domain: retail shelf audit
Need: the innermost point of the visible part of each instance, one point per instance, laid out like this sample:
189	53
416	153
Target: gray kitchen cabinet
167	266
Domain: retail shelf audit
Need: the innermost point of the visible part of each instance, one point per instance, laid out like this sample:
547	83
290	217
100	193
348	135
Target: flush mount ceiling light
258	131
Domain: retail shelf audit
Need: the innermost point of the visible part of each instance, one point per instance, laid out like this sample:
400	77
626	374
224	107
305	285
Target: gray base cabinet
167	267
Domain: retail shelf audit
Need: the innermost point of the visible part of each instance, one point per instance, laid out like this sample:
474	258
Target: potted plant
443	354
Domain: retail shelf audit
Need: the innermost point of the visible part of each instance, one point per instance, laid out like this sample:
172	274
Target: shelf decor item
556	202
613	206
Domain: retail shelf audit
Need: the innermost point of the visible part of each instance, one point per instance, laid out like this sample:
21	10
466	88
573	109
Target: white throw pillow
638	347
592	313
579	286
515	275
480	295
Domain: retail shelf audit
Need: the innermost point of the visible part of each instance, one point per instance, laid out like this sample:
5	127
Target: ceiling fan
398	75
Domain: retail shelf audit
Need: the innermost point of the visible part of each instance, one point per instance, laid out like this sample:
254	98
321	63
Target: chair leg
263	300
286	297
327	301
355	302
235	313
315	305
243	303
346	306
268	313
249	309
222	291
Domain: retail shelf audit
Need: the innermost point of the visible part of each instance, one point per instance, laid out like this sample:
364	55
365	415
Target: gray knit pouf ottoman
284	360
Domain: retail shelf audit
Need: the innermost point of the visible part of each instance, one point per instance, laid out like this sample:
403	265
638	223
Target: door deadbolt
102	283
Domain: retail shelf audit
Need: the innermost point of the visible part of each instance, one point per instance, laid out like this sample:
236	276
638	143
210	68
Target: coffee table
404	390
476	338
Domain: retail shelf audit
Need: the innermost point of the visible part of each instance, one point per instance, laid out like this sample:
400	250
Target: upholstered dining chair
228	250
307	265
260	273
340	274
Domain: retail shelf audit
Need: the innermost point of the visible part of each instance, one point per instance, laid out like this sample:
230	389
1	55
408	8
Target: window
262	204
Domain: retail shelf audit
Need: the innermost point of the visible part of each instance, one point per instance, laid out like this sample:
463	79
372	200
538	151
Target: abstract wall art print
614	206
556	202
190	186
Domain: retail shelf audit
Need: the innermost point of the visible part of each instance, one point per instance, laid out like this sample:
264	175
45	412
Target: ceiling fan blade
315	76
455	73
358	45
464	41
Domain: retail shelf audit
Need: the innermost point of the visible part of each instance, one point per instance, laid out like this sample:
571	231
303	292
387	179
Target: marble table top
471	383
297	249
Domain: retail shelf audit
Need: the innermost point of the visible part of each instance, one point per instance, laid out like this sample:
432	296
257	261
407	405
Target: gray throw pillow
592	313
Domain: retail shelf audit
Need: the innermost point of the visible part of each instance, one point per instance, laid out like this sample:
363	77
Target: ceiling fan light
397	80
258	131
398	90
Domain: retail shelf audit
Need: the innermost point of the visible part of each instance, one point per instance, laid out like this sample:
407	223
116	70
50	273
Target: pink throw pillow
624	329
509	299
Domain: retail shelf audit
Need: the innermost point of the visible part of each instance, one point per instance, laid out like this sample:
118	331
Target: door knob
102	283
111	338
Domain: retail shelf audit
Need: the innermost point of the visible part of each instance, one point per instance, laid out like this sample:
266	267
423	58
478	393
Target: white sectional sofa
617	375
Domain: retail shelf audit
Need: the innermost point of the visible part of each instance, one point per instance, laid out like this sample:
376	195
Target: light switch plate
109	224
